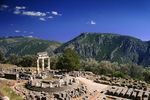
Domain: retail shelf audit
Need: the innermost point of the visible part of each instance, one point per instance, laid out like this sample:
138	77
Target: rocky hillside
98	46
26	45
113	47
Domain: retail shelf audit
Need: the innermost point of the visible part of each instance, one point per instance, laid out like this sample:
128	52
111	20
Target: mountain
26	45
112	47
98	46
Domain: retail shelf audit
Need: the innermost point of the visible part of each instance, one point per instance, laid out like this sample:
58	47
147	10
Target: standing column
42	64
48	63
38	66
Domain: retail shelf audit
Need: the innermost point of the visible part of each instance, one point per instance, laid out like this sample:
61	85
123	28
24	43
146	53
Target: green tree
118	74
146	75
90	65
27	61
69	60
136	71
106	67
2	58
54	62
14	59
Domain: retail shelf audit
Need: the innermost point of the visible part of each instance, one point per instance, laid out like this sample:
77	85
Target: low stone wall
129	93
52	86
113	81
71	93
50	90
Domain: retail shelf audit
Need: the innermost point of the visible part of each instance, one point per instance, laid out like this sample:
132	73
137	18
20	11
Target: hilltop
111	47
97	46
26	45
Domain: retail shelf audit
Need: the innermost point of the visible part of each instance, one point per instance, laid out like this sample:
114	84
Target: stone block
129	93
139	96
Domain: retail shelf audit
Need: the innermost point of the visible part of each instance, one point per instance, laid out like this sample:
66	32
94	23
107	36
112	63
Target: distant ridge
98	46
109	46
24	45
11	37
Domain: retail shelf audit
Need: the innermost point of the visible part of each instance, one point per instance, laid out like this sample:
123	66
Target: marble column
42	64
38	66
48	64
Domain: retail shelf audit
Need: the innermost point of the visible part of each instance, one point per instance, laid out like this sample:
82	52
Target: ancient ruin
47	84
128	93
42	56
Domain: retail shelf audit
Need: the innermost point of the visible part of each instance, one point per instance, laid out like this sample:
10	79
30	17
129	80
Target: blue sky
62	20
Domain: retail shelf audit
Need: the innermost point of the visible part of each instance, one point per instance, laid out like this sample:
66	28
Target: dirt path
92	86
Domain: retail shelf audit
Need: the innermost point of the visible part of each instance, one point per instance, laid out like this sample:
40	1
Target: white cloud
17	31
20	7
30	36
4	6
92	22
56	13
43	16
17	12
50	17
33	13
42	19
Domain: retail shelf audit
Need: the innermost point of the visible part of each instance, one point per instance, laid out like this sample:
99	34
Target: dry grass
7	91
7	66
